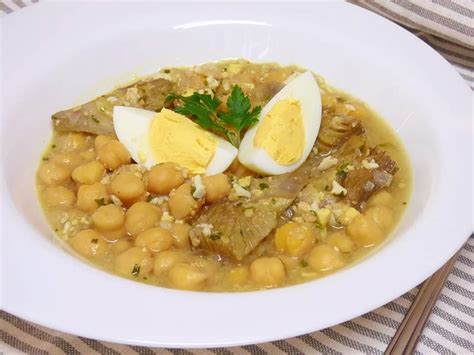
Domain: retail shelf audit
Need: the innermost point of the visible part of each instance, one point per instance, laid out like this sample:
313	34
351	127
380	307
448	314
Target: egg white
132	127
305	89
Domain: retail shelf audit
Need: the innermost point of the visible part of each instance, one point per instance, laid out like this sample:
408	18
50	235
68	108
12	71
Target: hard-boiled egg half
287	129
153	138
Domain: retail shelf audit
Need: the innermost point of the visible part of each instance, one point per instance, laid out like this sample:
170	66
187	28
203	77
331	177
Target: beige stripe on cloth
450	327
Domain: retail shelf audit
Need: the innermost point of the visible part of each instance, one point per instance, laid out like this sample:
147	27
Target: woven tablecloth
447	25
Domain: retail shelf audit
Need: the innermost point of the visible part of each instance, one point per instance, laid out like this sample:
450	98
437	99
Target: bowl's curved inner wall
96	68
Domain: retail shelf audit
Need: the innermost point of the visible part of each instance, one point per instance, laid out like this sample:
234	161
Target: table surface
449	329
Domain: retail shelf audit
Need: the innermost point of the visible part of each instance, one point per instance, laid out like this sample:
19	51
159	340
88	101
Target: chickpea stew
227	176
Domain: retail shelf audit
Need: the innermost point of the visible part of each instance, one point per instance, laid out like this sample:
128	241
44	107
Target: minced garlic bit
158	200
323	216
166	217
212	83
115	200
245	181
348	215
370	164
350	107
112	99
240	191
199	187
315	150
133	95
327	163
206	228
337	189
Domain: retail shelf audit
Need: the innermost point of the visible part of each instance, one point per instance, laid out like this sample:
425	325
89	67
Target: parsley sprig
203	109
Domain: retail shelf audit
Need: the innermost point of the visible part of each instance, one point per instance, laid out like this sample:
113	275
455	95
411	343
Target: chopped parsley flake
263	186
45	159
341	172
303	263
100	201
93	118
319	225
404	203
326	188
94	241
215	236
136	270
53	146
166	71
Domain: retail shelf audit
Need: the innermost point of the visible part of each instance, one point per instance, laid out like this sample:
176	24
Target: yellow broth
74	183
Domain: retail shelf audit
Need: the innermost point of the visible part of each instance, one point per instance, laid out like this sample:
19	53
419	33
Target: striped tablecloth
447	25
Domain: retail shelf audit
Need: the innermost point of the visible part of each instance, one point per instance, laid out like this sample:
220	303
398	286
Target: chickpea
88	196
165	260
324	257
53	174
113	154
268	272
217	187
240	170
120	246
133	262
238	275
290	262
59	196
364	231
100	141
75	140
187	277
87	155
164	177
88	173
294	238
180	232
68	160
341	241
182	203
382	197
155	239
142	216
89	243
127	187
115	234
108	218
381	215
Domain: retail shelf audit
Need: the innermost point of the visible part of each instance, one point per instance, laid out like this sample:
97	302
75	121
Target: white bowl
56	54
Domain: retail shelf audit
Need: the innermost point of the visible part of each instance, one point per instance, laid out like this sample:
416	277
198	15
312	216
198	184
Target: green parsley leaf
203	109
215	236
136	270
45	159
341	172
100	201
404	203
94	241
303	263
239	115
93	118
263	186
53	146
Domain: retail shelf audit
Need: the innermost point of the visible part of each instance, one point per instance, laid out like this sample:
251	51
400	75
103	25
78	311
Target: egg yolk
175	138
281	133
